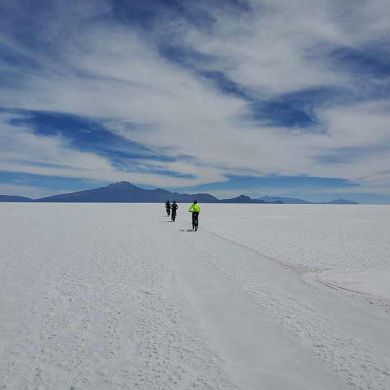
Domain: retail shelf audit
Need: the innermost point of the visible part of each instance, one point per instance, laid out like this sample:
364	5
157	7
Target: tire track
358	363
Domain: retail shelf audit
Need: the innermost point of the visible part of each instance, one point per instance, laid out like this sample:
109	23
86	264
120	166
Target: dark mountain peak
239	199
122	185
127	192
244	197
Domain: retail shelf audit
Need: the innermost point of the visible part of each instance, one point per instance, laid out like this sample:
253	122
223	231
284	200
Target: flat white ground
114	296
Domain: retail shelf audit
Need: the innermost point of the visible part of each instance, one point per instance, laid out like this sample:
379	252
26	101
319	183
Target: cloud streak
266	87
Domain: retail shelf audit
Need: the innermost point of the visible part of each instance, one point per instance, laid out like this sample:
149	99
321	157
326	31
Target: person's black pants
195	219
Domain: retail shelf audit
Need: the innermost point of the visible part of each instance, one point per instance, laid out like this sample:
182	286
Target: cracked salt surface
109	296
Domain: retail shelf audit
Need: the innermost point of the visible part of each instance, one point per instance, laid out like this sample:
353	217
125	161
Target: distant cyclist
174	208
195	210
168	208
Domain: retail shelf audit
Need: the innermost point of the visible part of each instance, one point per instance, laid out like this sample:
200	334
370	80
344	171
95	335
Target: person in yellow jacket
195	210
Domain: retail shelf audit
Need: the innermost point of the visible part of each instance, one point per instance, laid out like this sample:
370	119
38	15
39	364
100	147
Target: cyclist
174	208
168	208
195	210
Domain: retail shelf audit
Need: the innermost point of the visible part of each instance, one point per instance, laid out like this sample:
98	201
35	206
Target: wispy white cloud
25	152
97	67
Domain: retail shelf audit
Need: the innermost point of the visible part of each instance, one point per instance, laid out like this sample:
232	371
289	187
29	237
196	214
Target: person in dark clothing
168	208
174	208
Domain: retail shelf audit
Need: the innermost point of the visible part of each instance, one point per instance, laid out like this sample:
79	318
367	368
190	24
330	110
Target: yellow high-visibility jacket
195	208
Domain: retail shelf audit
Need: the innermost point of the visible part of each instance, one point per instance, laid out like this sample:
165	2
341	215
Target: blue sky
235	97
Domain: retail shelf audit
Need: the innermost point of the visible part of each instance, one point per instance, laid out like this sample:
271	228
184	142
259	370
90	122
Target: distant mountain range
271	199
286	200
125	192
342	201
11	198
